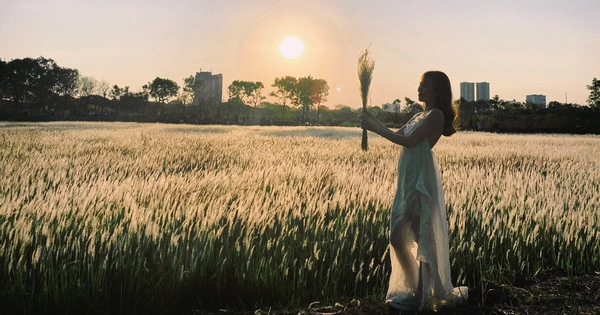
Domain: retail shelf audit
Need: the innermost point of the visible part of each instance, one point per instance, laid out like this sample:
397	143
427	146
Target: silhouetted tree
236	97
47	77
67	83
133	101
20	80
284	90
162	89
246	92
87	87
2	78
253	93
319	94
514	106
495	102
594	98
117	92
412	107
303	93
187	90
346	115
466	113
103	88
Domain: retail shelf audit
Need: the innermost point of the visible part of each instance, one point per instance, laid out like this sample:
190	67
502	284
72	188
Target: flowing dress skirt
419	232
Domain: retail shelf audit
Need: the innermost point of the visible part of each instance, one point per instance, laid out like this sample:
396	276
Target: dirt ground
550	292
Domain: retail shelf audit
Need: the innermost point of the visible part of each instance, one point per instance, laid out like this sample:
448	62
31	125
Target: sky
520	47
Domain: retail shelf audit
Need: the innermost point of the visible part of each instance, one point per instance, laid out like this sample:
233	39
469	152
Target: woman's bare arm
429	128
401	130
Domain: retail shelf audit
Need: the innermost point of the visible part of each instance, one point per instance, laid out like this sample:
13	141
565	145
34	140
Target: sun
291	47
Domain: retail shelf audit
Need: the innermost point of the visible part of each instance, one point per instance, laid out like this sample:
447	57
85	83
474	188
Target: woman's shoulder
433	114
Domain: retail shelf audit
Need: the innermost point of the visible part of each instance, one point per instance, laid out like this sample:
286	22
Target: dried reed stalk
365	75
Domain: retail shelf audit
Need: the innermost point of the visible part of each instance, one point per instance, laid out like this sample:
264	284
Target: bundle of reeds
365	75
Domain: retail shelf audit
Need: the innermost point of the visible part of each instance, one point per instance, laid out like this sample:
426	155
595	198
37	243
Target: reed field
156	219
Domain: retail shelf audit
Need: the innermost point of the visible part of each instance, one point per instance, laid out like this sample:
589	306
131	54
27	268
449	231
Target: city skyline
520	48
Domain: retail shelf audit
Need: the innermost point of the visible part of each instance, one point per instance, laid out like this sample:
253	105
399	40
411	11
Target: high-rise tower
210	88
483	91
467	91
537	99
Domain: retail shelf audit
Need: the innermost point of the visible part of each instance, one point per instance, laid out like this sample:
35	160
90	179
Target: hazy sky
520	47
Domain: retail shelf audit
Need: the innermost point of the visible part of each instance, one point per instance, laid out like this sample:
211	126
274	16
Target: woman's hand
368	121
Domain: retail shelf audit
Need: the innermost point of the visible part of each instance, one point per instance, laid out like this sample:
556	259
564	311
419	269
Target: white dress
420	198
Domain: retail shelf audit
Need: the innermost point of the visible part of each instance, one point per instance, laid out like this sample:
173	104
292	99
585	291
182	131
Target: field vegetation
152	218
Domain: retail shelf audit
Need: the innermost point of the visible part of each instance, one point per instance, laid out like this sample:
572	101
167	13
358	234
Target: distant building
483	91
210	88
391	107
467	91
536	99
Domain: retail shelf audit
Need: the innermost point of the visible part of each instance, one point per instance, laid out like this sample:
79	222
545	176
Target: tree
20	80
594	98
514	106
245	92
2	79
87	87
253	93
346	115
46	74
162	89
103	88
284	90
187	91
303	95
481	106
466	112
304	92
236	95
67	83
133	101
411	107
117	92
531	106
320	91
375	110
554	104
29	79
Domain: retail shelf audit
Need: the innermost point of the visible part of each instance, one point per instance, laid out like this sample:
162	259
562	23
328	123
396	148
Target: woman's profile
419	247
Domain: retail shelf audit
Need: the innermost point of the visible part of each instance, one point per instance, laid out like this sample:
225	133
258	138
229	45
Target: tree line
40	89
497	115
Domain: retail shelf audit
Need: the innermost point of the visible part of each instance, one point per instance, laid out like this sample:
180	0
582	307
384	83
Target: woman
419	248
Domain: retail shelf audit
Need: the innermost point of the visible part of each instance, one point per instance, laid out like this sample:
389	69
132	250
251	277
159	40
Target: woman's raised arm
430	127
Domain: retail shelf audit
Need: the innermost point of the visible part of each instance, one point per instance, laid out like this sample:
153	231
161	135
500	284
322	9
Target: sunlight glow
291	47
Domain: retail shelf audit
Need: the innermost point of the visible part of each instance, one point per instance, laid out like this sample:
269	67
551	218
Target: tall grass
129	218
